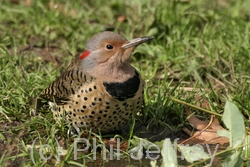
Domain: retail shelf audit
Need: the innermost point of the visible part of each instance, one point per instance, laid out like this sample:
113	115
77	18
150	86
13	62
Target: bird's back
85	101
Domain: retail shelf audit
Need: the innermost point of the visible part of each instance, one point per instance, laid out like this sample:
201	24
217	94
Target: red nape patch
85	54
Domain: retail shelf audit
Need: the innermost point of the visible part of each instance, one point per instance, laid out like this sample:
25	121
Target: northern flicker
99	89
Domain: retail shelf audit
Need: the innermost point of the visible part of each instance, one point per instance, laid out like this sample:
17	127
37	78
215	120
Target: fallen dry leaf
123	145
121	18
206	130
201	102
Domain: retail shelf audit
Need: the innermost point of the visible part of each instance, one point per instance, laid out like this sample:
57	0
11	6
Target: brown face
108	50
112	52
119	51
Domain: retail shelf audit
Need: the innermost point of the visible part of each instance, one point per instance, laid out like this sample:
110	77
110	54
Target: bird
99	90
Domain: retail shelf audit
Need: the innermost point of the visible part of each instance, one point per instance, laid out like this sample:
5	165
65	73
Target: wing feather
66	85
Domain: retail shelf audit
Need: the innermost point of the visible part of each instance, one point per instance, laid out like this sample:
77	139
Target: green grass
201	48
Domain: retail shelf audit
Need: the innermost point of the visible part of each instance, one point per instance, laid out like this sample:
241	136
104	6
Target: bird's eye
109	47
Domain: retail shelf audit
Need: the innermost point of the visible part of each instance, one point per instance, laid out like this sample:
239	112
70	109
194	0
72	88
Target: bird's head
108	52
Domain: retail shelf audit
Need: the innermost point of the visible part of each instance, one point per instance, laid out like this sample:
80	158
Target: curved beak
136	41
